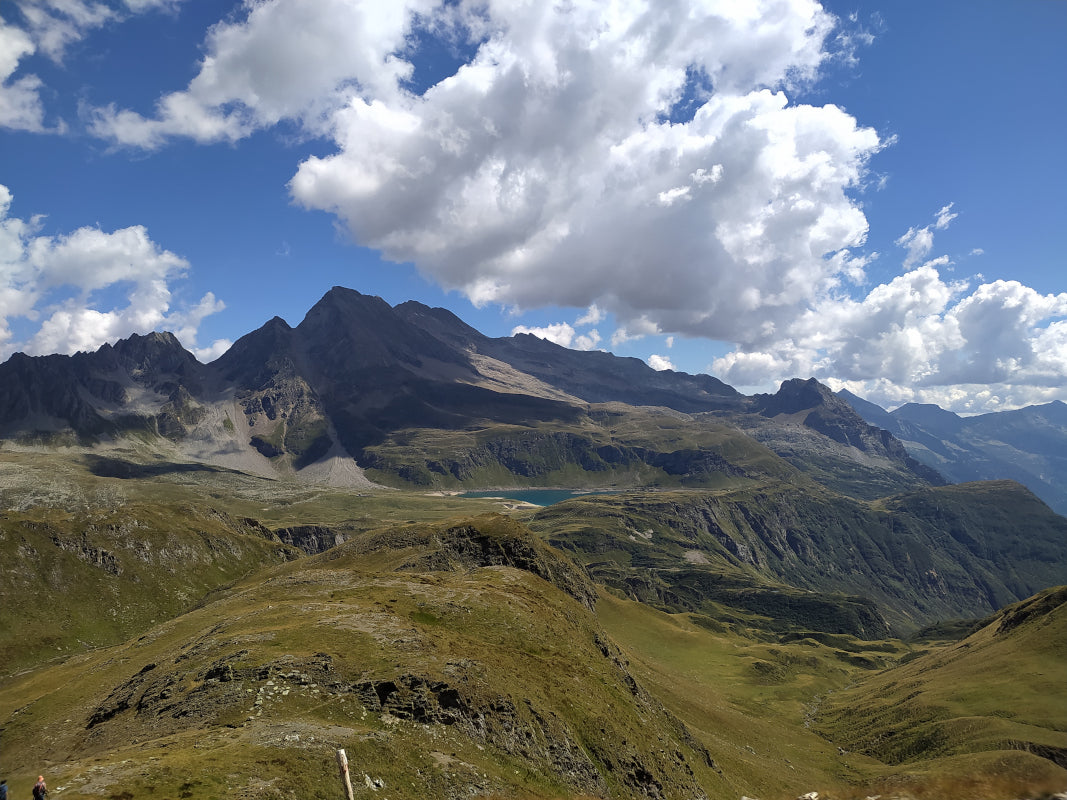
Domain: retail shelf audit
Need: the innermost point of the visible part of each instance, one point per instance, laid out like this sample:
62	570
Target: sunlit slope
600	446
749	695
993	703
97	548
447	660
94	576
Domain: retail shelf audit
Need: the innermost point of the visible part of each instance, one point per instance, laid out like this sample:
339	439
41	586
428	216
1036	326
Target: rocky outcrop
311	539
825	412
940	553
485	541
143	383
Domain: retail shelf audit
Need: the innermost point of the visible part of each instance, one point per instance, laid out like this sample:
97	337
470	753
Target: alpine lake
537	497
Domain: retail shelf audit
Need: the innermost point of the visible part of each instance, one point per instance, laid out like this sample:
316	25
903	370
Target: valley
216	575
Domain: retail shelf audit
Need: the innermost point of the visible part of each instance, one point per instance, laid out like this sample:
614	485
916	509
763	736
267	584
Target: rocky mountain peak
348	331
442	323
152	356
796	395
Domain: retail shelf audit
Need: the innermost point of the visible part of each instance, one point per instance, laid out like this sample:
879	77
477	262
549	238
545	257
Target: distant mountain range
1028	445
348	396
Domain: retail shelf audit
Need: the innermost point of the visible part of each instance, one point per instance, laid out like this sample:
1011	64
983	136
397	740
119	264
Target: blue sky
870	193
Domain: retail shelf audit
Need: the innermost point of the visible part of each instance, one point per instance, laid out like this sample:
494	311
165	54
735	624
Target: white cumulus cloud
999	344
546	168
62	289
20	100
920	241
562	334
48	28
660	363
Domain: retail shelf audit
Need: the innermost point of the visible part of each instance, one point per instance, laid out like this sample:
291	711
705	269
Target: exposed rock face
311	539
488	540
591	376
144	383
825	412
847	454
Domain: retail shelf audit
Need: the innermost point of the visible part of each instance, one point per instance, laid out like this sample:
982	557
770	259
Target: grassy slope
609	445
741	686
250	694
88	578
990	704
91	561
747	699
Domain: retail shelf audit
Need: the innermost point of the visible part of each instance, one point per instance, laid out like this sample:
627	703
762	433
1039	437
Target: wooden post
342	765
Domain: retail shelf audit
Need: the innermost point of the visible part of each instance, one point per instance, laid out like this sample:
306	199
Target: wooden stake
342	765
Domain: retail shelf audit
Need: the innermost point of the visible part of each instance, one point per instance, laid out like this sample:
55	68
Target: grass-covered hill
465	657
96	549
990	707
449	660
162	638
86	563
604	445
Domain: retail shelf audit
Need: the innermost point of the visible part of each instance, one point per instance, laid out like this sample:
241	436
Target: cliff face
942	553
144	383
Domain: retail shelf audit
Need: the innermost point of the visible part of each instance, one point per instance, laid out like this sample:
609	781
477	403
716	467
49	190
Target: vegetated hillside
992	704
443	655
941	553
85	565
605	445
448	660
1028	445
97	548
452	659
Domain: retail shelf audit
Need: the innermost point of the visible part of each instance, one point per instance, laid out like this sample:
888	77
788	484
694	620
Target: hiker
40	791
3	790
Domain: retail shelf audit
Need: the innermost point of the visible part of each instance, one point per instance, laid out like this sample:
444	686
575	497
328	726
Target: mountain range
217	573
1028	445
335	400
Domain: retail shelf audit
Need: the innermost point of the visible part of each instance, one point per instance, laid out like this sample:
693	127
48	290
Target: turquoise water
539	497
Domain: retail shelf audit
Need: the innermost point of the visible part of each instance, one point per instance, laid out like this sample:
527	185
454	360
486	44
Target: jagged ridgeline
215	575
413	397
